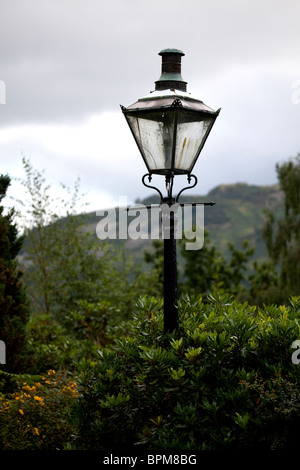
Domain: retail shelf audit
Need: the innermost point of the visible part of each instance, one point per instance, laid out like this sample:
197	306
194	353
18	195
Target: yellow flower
21	411
39	399
36	431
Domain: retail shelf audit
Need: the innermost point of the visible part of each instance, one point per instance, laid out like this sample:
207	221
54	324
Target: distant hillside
236	216
239	214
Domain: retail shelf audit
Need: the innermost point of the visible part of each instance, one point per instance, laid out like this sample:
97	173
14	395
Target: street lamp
170	128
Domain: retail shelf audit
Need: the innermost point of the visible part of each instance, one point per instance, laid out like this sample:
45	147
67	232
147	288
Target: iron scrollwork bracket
188	187
152	187
169	188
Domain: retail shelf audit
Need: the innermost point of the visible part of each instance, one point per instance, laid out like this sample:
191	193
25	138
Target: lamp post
170	128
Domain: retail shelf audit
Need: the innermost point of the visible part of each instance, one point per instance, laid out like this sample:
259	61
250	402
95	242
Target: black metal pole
170	271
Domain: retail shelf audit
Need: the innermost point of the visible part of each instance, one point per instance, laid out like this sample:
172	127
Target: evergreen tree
13	303
207	270
202	271
282	236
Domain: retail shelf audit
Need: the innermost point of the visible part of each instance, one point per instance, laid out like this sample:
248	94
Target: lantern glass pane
154	134
191	133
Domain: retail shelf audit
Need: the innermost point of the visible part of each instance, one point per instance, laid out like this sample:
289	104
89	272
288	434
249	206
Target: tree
203	270
13	301
263	288
47	239
155	278
206	269
282	235
68	270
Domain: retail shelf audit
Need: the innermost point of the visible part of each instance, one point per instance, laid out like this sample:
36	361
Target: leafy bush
51	347
36	415
224	380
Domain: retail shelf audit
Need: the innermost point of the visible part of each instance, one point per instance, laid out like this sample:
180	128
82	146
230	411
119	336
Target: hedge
224	380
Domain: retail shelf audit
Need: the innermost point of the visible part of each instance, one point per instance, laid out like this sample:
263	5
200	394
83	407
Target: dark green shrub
50	346
224	380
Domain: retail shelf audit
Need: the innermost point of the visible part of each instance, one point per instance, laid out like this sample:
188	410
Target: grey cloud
66	59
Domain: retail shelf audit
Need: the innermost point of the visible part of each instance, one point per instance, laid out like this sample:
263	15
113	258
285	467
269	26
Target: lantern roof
166	98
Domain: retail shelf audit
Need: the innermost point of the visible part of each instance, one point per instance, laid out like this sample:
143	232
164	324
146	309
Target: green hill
237	215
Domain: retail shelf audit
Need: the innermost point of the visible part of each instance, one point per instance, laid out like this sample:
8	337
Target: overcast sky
67	65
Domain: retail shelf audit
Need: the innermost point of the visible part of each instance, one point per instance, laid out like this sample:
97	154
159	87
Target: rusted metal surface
171	71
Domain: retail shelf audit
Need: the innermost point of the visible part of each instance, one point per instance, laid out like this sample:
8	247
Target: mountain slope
237	215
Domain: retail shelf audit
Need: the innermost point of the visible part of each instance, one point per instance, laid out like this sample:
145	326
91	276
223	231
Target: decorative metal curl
188	187
152	187
169	184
